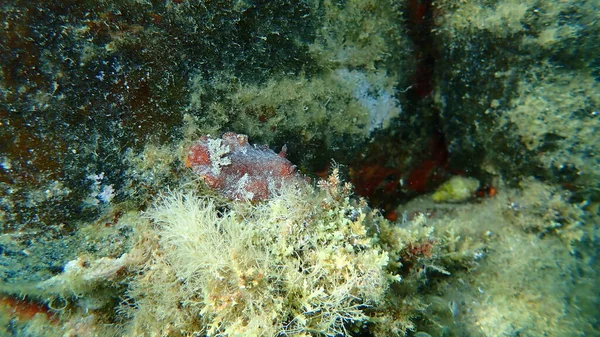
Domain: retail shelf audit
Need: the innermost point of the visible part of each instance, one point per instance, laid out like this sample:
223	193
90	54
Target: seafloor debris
238	170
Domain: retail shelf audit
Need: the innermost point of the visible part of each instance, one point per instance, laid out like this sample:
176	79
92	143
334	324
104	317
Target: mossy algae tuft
306	261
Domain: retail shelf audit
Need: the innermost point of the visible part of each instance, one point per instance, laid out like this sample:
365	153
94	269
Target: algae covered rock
89	92
512	259
105	232
518	88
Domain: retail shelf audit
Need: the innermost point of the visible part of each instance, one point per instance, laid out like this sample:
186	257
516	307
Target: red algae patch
238	170
24	310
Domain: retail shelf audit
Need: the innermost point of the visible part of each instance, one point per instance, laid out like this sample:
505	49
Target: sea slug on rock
238	170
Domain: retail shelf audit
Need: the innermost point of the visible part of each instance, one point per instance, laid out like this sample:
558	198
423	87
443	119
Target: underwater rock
517	91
